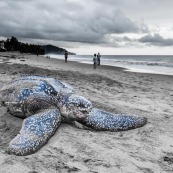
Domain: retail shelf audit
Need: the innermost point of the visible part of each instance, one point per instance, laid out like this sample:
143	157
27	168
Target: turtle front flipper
102	120
36	131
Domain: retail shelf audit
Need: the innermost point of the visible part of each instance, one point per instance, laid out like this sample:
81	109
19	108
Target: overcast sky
89	26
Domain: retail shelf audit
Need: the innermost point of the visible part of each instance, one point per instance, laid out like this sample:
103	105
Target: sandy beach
144	150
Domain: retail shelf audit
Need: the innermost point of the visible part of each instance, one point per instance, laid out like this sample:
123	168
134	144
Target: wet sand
146	149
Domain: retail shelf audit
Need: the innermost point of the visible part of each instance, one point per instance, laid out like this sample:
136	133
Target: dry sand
148	149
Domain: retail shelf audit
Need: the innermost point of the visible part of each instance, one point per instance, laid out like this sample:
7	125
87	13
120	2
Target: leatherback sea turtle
45	102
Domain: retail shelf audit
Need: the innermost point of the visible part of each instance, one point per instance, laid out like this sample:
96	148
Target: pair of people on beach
96	60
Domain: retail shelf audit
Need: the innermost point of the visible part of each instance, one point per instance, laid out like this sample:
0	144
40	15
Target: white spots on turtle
24	93
102	120
80	102
35	132
47	88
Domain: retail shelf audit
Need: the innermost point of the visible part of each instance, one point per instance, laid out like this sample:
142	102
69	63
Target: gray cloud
156	40
65	20
104	22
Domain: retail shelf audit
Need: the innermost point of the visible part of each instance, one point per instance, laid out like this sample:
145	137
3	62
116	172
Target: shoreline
129	68
66	66
144	149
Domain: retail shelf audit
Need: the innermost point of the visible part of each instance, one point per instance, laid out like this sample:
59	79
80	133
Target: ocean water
156	64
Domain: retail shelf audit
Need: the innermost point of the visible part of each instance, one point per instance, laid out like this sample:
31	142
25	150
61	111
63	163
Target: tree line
12	44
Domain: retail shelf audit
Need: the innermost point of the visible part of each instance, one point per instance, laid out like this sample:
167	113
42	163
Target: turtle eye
10	91
83	104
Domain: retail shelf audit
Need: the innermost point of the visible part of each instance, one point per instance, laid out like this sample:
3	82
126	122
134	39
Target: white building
2	45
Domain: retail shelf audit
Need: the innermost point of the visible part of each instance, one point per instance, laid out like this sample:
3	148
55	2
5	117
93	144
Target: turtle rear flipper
36	131
102	120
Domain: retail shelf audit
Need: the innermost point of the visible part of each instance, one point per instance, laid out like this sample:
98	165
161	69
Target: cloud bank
156	40
65	20
100	22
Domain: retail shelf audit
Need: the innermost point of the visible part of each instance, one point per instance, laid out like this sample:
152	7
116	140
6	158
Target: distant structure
2	45
2	49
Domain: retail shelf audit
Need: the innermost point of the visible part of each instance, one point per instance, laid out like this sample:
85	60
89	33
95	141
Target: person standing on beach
98	58
95	61
66	55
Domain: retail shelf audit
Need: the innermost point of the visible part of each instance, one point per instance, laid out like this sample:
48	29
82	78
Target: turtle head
73	107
